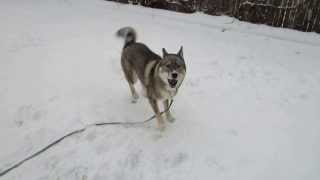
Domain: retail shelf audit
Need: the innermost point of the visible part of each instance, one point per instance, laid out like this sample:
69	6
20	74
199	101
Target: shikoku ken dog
160	77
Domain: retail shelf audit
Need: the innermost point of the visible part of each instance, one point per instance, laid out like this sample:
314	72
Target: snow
248	109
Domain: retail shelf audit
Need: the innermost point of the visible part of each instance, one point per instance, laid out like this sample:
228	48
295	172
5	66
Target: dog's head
172	68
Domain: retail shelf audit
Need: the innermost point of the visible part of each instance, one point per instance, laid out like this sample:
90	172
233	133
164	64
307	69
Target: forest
302	15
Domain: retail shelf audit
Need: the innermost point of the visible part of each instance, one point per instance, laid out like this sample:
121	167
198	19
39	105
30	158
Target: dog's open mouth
172	82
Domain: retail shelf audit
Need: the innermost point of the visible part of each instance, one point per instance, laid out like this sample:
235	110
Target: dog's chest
167	94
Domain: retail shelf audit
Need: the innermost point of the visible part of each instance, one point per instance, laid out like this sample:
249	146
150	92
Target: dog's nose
174	75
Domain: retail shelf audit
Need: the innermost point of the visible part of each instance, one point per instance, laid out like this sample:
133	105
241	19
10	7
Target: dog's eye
168	66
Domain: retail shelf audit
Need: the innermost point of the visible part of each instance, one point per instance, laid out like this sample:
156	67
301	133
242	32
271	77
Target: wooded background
302	15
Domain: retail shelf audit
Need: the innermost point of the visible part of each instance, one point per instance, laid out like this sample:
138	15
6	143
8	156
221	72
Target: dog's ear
180	53
164	52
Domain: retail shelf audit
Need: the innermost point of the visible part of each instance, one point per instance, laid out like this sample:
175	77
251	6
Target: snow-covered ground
249	108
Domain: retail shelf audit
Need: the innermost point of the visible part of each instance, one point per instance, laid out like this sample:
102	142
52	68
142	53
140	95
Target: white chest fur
168	93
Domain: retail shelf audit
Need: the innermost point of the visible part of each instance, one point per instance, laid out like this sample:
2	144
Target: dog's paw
161	127
133	101
134	98
170	118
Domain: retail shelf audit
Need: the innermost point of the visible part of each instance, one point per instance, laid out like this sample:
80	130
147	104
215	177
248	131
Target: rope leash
4	172
133	123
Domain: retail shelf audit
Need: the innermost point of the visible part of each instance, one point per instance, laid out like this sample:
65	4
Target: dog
160	77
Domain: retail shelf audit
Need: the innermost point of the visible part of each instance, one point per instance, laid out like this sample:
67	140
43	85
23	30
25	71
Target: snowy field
249	108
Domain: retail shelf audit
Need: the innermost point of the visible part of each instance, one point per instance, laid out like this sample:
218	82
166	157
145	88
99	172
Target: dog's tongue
172	82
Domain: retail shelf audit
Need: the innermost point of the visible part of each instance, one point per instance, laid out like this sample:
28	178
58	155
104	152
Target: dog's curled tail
129	35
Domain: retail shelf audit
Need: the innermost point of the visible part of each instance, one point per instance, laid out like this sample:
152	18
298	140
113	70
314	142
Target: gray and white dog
160	77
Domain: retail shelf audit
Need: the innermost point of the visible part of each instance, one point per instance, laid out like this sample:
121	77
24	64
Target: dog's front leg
156	110
166	104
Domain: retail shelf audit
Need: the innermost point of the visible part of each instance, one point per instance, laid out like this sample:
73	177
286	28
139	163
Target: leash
133	123
4	172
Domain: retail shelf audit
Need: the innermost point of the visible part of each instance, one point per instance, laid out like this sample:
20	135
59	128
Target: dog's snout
174	75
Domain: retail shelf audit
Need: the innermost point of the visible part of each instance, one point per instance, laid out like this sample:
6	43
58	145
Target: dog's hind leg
134	93
131	78
166	105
